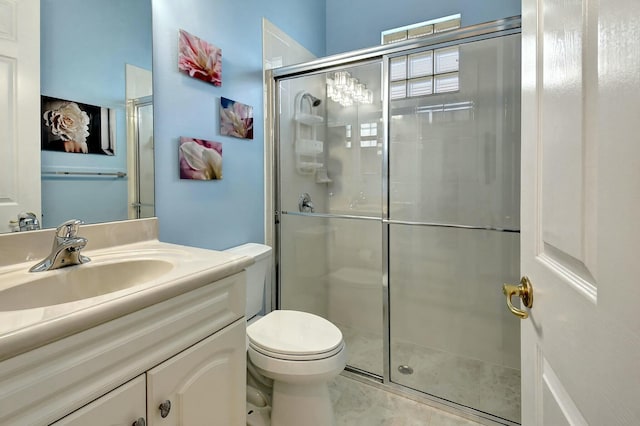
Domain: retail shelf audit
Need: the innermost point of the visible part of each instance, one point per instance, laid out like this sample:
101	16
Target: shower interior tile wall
304	242
294	183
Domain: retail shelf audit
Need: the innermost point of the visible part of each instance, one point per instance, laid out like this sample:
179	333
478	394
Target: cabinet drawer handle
139	422
165	407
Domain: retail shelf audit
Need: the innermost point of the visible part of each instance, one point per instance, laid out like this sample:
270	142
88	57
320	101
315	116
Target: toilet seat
295	336
292	371
290	357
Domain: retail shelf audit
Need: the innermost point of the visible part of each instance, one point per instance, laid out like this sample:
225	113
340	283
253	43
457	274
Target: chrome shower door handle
305	205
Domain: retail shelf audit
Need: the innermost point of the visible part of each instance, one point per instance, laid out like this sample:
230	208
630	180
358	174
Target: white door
581	212
19	109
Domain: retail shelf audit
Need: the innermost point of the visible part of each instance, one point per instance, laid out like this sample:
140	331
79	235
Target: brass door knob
524	291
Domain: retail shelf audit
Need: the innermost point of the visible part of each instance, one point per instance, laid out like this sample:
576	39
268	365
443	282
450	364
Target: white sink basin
129	270
73	283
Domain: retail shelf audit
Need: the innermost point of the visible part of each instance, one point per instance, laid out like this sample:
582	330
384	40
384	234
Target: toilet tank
258	275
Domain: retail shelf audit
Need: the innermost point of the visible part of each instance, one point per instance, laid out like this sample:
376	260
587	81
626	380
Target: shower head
314	101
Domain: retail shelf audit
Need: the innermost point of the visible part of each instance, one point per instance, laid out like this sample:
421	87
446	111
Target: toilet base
258	415
301	404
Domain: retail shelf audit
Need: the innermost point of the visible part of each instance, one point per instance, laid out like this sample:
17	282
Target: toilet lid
294	333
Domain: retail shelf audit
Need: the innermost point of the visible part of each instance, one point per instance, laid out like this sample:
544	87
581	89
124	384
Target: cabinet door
122	406
204	384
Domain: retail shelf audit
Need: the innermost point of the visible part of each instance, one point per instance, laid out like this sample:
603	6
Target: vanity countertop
22	330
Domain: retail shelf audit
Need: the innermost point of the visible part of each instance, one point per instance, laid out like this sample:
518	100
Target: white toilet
299	351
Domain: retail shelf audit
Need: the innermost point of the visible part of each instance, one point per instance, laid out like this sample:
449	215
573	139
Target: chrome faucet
66	248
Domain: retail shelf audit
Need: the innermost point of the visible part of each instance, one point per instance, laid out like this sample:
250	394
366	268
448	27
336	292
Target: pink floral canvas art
200	159
199	59
236	119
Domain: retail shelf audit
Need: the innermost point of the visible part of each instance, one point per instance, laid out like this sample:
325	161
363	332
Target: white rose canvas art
75	127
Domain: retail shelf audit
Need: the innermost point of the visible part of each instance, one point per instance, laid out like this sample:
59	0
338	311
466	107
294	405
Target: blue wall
356	24
223	213
84	47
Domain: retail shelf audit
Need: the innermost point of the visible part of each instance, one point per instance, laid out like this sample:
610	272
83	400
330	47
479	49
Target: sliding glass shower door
330	203
397	210
454	167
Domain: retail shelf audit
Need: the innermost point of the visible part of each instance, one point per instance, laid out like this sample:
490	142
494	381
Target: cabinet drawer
122	406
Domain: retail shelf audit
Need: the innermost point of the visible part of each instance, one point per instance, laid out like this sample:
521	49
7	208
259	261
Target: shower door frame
134	107
383	53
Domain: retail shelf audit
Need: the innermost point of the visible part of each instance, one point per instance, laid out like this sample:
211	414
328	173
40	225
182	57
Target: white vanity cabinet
189	349
202	385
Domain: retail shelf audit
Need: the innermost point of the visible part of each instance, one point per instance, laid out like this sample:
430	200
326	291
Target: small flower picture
236	119
75	127
200	159
199	59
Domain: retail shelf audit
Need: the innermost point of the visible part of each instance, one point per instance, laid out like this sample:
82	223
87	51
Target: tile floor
360	404
487	387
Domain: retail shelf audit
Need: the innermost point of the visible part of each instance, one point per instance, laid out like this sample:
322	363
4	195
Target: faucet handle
69	229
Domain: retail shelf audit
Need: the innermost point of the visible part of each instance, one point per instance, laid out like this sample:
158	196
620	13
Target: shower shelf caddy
308	149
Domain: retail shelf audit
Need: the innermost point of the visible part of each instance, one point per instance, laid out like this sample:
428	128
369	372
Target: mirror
98	52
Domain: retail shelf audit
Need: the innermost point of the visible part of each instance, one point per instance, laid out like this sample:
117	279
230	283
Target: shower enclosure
397	210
